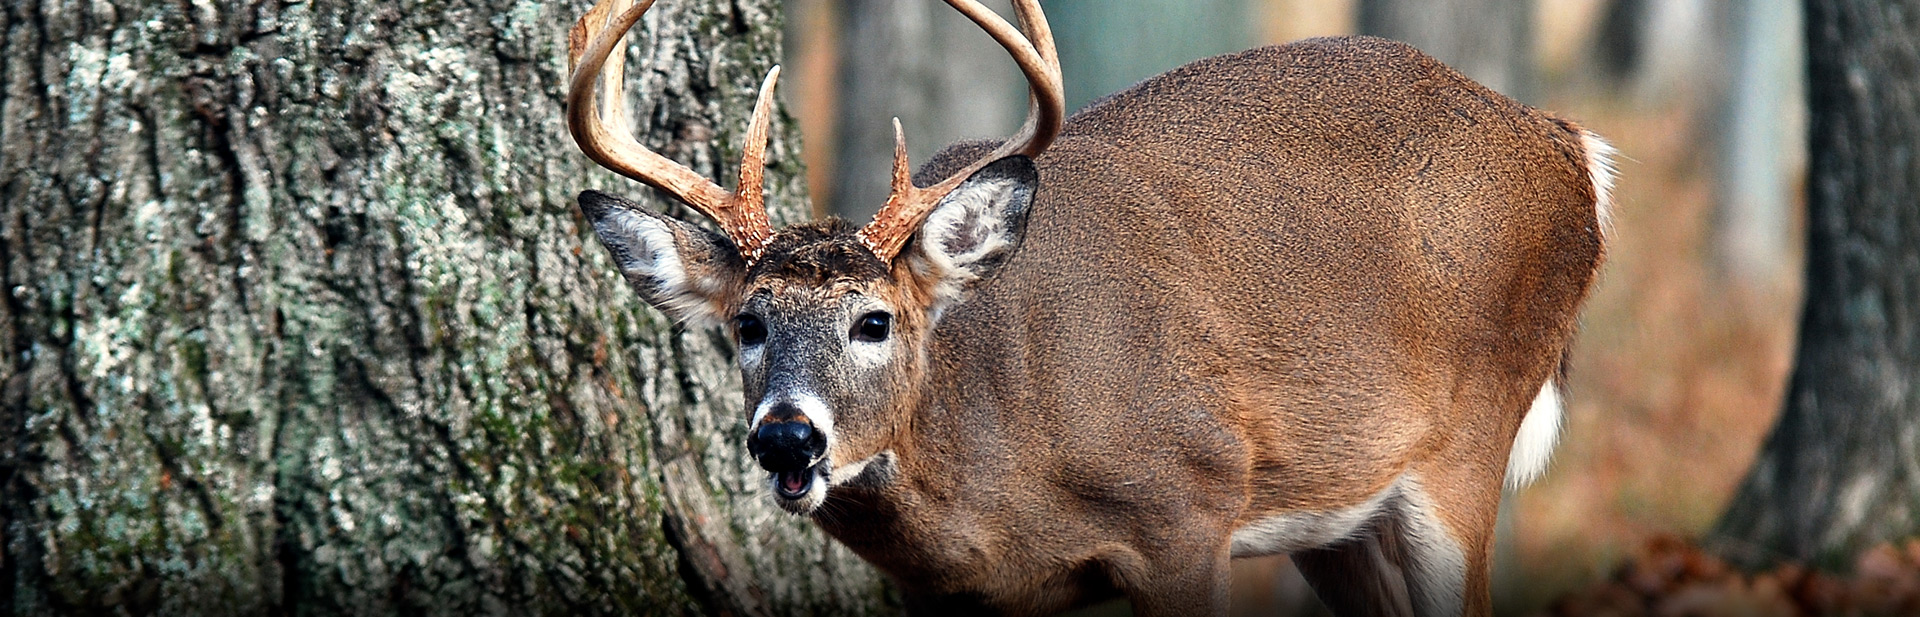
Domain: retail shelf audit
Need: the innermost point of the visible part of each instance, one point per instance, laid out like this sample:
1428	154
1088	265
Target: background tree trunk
1490	41
926	64
1620	44
946	80
299	316
1840	471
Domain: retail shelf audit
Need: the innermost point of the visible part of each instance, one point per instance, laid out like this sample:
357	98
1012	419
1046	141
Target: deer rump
1273	226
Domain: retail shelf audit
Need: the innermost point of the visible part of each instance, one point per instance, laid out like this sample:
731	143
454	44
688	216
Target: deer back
1289	258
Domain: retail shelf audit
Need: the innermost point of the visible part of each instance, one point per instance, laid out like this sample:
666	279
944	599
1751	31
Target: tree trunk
1841	470
300	318
1490	41
947	80
926	64
1620	45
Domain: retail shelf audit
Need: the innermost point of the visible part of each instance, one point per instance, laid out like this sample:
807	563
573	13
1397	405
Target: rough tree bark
1490	41
299	316
1841	470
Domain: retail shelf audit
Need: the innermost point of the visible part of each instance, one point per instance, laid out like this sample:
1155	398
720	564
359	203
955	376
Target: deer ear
683	270
976	228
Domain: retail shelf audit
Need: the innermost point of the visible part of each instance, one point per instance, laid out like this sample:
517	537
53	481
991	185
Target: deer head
831	320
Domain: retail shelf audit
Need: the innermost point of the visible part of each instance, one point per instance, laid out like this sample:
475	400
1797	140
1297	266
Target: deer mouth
794	485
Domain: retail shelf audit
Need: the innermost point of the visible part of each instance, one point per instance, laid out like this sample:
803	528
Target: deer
1312	299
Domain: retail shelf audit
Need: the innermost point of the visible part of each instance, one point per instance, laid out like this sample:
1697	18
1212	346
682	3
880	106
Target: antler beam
599	125
908	205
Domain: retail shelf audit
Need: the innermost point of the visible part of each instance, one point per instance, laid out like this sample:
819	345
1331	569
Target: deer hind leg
1447	574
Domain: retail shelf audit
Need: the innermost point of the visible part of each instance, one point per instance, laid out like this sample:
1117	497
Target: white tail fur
1539	431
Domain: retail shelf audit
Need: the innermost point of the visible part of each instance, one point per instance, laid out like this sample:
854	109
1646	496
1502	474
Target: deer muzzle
786	441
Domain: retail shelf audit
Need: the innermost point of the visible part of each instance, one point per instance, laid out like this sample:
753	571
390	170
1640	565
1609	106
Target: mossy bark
299	317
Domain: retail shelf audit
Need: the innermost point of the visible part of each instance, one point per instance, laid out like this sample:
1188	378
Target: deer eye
873	327
750	330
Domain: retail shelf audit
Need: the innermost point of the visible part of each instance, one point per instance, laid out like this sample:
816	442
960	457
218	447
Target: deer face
831	322
831	337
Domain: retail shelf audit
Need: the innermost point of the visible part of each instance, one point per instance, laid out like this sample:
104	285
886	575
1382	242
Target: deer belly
1297	530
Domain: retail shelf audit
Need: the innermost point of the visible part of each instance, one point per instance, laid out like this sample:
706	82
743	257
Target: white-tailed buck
1308	299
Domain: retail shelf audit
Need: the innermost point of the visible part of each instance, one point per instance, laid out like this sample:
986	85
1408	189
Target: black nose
783	446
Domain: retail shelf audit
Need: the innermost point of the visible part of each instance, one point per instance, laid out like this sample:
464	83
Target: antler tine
751	195
902	172
1034	52
613	146
1039	32
905	207
1048	106
601	129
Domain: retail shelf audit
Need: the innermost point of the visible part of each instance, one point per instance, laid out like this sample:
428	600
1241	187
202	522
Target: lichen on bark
300	317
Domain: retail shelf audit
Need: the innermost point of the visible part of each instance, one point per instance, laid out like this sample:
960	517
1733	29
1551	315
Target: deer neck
901	511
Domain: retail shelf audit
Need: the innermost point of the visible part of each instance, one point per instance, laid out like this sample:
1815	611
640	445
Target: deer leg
1446	531
1361	575
1179	583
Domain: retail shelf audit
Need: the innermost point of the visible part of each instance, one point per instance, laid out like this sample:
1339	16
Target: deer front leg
1175	583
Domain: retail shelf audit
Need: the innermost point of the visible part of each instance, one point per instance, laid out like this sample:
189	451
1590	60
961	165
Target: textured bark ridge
1841	471
299	316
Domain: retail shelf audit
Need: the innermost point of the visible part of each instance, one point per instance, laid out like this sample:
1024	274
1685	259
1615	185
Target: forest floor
1668	576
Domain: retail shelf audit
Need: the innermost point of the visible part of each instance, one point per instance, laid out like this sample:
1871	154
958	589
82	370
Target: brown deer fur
1262	282
1293	284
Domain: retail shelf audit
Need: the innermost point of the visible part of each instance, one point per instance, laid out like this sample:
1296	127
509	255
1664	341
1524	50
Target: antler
908	205
601	129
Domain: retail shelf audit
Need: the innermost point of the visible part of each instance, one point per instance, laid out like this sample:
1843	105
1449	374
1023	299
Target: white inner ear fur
649	256
964	229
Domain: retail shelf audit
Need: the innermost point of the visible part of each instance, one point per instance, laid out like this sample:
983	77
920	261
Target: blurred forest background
1687	343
